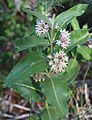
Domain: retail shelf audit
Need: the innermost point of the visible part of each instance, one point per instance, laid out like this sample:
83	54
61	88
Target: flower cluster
41	27
64	39
58	62
38	77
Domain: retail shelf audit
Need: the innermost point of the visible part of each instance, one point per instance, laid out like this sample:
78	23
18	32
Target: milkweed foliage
35	75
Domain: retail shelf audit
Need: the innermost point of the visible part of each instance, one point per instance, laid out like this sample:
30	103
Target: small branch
15	105
86	95
7	115
17	117
23	116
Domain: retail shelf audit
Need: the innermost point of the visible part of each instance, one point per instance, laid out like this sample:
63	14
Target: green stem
83	85
49	37
52	40
48	110
52	35
51	48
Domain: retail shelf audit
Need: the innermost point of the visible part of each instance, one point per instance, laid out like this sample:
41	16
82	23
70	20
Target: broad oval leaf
68	15
55	89
72	70
77	37
39	15
19	77
85	51
29	42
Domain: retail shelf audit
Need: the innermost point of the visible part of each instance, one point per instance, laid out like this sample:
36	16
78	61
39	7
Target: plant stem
48	110
50	40
51	48
83	85
49	37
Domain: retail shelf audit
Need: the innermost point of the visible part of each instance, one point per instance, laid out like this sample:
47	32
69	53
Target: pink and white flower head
41	27
58	62
64	39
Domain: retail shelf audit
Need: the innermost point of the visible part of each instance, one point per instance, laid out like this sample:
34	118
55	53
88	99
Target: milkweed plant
50	63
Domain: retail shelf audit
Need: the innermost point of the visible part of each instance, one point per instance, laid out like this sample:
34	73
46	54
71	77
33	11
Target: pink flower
64	39
49	56
41	27
58	42
51	62
55	60
59	62
56	55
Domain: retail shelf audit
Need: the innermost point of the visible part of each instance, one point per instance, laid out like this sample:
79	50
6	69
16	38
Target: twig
17	117
7	115
15	105
23	116
86	95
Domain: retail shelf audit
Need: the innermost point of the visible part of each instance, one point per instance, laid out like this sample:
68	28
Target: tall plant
48	68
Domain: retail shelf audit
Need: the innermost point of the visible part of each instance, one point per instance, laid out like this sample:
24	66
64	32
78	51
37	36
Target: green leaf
2	38
77	37
29	42
35	117
39	15
49	113
30	31
85	52
68	15
19	77
72	69
85	26
55	89
75	24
